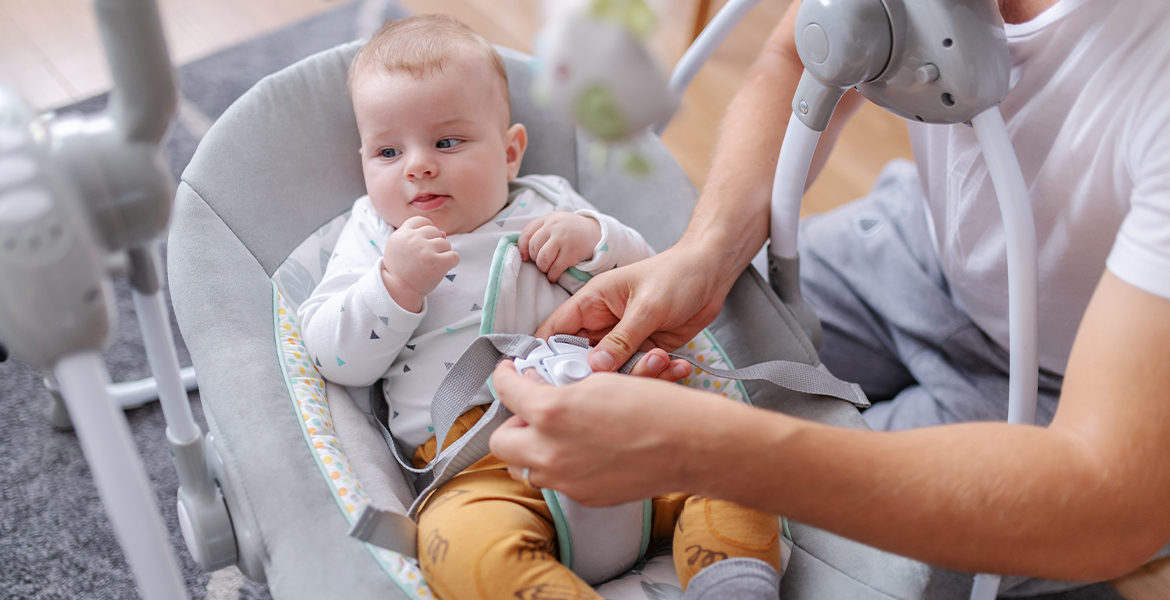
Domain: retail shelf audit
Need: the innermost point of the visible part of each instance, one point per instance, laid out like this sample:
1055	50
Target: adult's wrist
707	440
712	256
743	450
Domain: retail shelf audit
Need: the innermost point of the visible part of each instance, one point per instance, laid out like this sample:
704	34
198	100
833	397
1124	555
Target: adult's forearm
731	216
731	220
976	497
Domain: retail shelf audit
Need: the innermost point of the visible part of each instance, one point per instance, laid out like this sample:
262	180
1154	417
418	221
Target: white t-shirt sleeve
351	326
1141	252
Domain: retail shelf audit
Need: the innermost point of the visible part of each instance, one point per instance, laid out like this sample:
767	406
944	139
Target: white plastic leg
800	143
986	587
1020	236
132	394
120	475
164	363
126	394
703	47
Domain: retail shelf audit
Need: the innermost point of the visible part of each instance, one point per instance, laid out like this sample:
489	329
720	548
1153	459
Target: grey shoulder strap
792	375
464	383
458	391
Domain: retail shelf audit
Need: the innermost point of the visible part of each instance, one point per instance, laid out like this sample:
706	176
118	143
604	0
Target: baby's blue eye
447	143
389	152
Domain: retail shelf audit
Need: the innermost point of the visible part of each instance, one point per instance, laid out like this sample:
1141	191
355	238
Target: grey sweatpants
869	270
871	273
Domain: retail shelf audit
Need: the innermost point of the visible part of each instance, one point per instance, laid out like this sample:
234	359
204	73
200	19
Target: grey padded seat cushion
282	161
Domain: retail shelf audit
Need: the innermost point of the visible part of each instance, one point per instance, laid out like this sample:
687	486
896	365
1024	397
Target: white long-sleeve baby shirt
357	334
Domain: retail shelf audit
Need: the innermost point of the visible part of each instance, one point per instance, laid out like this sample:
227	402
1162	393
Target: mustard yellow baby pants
483	535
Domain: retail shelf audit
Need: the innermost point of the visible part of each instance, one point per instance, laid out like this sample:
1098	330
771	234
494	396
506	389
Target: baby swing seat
256	215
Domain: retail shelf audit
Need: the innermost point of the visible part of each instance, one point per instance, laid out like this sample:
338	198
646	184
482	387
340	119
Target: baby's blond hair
422	44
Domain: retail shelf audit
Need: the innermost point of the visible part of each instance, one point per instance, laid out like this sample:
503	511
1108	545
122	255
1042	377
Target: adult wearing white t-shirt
911	285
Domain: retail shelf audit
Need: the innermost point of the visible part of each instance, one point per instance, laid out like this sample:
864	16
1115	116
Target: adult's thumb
505	379
620	343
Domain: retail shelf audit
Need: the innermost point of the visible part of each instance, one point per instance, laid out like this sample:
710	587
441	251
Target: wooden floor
51	54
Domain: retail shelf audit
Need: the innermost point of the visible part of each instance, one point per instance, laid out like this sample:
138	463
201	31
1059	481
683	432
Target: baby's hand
416	258
558	241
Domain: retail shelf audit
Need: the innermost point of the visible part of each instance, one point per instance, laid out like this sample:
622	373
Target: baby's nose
421	168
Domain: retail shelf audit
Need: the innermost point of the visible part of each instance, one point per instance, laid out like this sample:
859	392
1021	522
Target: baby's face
438	146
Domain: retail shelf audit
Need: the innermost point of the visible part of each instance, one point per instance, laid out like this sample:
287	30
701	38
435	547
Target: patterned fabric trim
306	389
705	349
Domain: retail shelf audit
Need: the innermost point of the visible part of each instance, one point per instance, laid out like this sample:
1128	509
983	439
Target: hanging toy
592	65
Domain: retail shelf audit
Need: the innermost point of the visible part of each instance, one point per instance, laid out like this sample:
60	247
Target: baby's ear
516	140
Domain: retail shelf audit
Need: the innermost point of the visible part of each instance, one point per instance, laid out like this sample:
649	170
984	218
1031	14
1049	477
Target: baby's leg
711	531
483	535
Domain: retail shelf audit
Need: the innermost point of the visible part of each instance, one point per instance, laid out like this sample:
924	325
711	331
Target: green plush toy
592	65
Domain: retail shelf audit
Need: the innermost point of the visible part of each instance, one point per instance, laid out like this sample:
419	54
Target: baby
404	294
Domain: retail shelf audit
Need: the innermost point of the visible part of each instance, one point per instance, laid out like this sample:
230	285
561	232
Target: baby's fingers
417	222
547	257
561	264
525	240
448	259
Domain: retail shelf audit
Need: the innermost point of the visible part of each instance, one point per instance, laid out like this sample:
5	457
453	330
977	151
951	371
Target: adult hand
662	301
604	440
665	300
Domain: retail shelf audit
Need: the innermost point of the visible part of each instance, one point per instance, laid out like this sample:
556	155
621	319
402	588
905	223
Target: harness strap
791	375
469	380
463	387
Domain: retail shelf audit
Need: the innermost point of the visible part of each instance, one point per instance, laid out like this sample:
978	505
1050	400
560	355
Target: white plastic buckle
558	362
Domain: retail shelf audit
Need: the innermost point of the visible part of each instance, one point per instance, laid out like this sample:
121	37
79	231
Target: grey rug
55	539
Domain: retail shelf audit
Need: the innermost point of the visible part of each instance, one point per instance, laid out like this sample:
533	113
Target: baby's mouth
429	202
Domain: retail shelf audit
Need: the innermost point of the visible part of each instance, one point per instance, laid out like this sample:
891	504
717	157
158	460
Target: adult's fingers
511	386
657	364
514	438
567	318
622	341
519	392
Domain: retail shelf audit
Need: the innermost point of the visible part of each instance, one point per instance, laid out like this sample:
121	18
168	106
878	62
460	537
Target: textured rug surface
55	538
